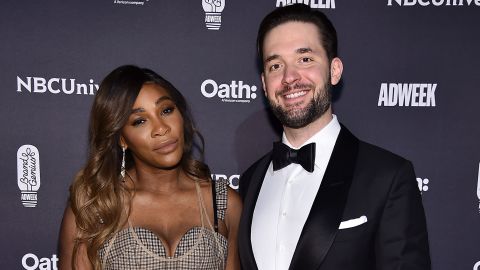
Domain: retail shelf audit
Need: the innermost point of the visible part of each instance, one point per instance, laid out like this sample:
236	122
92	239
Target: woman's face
154	130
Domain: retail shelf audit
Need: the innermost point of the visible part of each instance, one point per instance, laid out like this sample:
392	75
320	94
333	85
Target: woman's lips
166	146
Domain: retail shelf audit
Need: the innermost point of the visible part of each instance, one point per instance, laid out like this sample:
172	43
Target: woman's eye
138	122
168	110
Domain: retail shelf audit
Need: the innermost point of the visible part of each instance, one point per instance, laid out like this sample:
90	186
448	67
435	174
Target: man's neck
298	136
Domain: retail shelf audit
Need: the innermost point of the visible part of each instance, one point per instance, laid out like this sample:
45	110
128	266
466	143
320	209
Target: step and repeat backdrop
411	85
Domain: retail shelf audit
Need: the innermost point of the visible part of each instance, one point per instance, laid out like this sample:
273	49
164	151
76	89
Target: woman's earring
122	169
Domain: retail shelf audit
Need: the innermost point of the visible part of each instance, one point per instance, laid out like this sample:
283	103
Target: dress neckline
203	213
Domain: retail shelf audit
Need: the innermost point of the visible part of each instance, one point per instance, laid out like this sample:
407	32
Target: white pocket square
352	222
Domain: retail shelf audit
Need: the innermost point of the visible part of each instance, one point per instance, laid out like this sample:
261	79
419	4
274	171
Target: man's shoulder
369	151
375	156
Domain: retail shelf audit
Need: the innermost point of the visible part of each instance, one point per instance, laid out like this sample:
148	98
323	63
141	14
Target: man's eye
305	59
274	67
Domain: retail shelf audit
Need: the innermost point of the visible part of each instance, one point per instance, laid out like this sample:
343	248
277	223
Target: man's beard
299	118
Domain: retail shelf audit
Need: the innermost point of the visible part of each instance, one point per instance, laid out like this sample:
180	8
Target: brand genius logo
28	174
311	3
213	13
407	94
55	86
233	92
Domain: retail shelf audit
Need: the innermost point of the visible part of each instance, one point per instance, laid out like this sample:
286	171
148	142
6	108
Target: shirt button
284	213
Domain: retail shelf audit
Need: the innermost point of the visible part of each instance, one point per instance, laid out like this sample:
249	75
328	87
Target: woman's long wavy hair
97	195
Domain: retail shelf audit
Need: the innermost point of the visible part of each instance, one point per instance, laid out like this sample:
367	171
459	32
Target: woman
142	201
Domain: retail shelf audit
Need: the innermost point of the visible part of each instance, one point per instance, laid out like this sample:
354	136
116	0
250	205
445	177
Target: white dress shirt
285	200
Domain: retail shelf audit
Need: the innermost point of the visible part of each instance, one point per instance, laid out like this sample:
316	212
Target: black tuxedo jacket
360	180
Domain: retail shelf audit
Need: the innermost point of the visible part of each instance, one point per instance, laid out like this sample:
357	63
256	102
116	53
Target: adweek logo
31	261
55	86
434	3
28	174
311	3
407	95
233	179
213	13
236	91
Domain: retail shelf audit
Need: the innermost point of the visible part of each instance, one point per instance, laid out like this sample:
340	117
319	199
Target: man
337	203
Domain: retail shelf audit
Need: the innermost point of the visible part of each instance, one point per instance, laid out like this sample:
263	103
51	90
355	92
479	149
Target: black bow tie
284	156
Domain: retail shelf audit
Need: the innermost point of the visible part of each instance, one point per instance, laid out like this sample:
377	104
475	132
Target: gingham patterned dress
136	248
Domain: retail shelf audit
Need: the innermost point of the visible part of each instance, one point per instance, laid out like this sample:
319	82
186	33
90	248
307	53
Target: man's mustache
297	86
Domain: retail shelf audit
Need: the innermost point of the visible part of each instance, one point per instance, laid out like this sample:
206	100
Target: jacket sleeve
401	241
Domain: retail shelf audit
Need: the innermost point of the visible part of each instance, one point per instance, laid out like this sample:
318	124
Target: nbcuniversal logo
28	174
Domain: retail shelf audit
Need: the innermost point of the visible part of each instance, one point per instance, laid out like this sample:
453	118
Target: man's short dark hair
300	13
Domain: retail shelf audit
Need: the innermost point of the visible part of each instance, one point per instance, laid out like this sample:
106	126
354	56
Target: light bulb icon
28	174
213	13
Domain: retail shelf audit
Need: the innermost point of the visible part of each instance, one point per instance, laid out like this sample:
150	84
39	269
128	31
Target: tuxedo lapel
325	216
254	176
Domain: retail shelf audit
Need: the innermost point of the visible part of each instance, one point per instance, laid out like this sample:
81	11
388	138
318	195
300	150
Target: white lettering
311	3
42	263
436	3
55	86
223	91
39	85
236	91
407	94
20	83
431	94
383	97
72	86
50	88
204	91
30	266
477	266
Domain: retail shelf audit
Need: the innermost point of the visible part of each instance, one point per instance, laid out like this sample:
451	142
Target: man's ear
336	70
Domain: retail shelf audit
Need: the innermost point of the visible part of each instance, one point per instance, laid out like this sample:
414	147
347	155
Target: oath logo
232	179
55	86
311	3
128	2
423	184
28	174
213	13
435	3
407	94
31	261
233	92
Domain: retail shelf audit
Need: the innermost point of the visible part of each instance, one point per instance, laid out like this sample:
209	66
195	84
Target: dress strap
221	199
214	199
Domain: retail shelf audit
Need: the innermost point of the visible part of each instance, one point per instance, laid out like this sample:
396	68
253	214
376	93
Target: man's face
297	75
